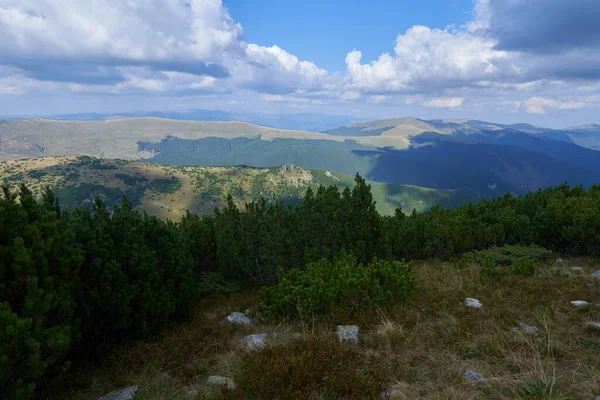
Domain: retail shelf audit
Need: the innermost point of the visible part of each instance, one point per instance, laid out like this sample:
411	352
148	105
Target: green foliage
38	282
524	267
341	282
165	186
309	368
489	271
138	274
509	255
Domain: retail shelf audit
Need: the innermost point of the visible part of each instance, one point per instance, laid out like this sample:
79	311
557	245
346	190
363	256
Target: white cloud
540	105
445	102
427	58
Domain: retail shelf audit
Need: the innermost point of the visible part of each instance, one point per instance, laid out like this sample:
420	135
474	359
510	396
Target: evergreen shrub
338	282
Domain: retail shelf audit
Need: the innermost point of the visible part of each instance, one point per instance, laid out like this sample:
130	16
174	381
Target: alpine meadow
303	200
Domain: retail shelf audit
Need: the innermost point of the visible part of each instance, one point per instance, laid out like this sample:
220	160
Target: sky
535	61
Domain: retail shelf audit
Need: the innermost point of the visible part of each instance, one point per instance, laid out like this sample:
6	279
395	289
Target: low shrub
524	267
489	271
340	282
508	255
309	368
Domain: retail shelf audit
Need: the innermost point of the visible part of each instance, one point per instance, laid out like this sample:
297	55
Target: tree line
73	284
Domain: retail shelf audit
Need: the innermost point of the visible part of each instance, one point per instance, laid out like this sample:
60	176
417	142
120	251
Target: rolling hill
171	191
476	157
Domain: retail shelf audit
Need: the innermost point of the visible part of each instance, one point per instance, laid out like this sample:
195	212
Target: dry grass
420	348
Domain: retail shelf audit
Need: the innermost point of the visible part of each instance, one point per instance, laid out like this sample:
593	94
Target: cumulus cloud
528	53
427	59
540	105
157	45
445	102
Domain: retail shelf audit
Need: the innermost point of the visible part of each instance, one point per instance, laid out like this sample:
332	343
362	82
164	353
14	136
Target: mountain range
472	158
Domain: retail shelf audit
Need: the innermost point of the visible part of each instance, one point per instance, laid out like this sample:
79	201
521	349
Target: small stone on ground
123	394
473	376
596	274
576	269
255	342
216	380
348	332
580	303
474	303
528	328
238	318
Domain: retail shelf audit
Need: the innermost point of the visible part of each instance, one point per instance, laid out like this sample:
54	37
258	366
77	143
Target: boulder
596	274
473	303
580	303
576	269
254	342
123	394
594	324
238	318
348	332
473	376
223	381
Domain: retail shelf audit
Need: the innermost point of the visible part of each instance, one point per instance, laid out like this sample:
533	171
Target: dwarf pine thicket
74	284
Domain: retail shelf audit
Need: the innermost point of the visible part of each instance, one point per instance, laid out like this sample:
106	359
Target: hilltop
171	191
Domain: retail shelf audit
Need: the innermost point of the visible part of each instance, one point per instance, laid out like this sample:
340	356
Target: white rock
528	328
474	303
594	324
596	274
559	260
216	380
580	303
123	394
238	318
576	269
473	376
255	342
391	392
348	332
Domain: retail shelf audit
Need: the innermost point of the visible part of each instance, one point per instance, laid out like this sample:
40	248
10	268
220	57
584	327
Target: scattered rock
255	342
473	376
216	380
594	324
474	303
596	274
123	394
580	303
348	332
238	318
576	269
247	311
391	392
528	328
559	260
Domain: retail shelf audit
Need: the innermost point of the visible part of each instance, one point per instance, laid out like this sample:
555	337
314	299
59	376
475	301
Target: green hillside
171	191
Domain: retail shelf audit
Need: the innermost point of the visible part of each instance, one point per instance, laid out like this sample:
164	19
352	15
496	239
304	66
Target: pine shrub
339	282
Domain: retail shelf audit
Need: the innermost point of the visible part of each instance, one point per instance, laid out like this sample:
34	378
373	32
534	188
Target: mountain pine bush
38	282
338	282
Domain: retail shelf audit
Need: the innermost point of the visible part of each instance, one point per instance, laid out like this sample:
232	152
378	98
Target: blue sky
325	31
530	61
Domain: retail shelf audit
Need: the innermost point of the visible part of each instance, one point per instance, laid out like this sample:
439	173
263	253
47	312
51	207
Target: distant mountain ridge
314	122
480	158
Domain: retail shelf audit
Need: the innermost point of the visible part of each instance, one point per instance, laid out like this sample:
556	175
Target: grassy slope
170	191
422	346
